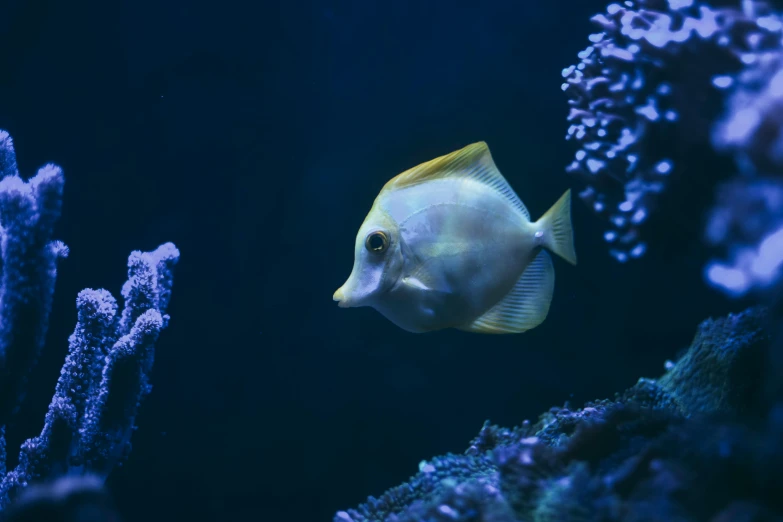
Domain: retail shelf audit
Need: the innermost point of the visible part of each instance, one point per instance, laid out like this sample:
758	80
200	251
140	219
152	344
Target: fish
449	244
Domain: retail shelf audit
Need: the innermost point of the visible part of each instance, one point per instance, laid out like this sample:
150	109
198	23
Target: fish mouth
348	296
339	296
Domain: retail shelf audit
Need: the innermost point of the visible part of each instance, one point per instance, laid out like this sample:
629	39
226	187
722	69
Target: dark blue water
255	136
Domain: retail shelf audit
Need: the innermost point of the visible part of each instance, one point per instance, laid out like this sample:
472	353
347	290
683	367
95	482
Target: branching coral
658	451
106	373
28	212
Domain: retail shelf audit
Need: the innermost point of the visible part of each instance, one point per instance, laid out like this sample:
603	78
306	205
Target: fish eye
376	242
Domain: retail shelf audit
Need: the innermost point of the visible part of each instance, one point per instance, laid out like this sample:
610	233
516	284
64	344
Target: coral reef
747	220
88	426
673	448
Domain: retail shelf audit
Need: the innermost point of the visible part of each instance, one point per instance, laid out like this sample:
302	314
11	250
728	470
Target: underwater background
255	137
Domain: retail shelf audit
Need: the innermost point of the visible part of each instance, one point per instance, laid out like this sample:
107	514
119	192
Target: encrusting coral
88	426
672	448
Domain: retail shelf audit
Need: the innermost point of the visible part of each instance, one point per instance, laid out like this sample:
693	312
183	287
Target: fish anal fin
471	162
526	305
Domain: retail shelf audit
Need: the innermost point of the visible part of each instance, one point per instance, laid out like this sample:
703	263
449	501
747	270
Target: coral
749	127
661	450
436	477
65	499
713	375
88	426
644	99
667	89
747	220
28	212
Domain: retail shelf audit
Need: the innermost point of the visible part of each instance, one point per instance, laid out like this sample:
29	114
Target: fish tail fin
556	226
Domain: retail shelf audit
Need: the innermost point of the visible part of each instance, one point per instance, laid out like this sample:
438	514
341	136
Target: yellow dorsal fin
471	162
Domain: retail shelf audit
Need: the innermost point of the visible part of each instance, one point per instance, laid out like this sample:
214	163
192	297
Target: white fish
448	244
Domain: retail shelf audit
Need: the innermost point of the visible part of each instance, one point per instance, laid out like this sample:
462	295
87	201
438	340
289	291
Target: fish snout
339	296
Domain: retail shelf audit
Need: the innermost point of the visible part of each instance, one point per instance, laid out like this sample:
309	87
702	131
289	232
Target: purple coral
643	99
91	417
28	212
750	126
65	499
667	89
747	221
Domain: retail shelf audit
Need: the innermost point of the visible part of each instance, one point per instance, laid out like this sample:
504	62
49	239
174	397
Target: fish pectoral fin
525	306
422	283
427	278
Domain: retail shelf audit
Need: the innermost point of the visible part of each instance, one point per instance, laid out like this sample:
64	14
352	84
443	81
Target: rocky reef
697	443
